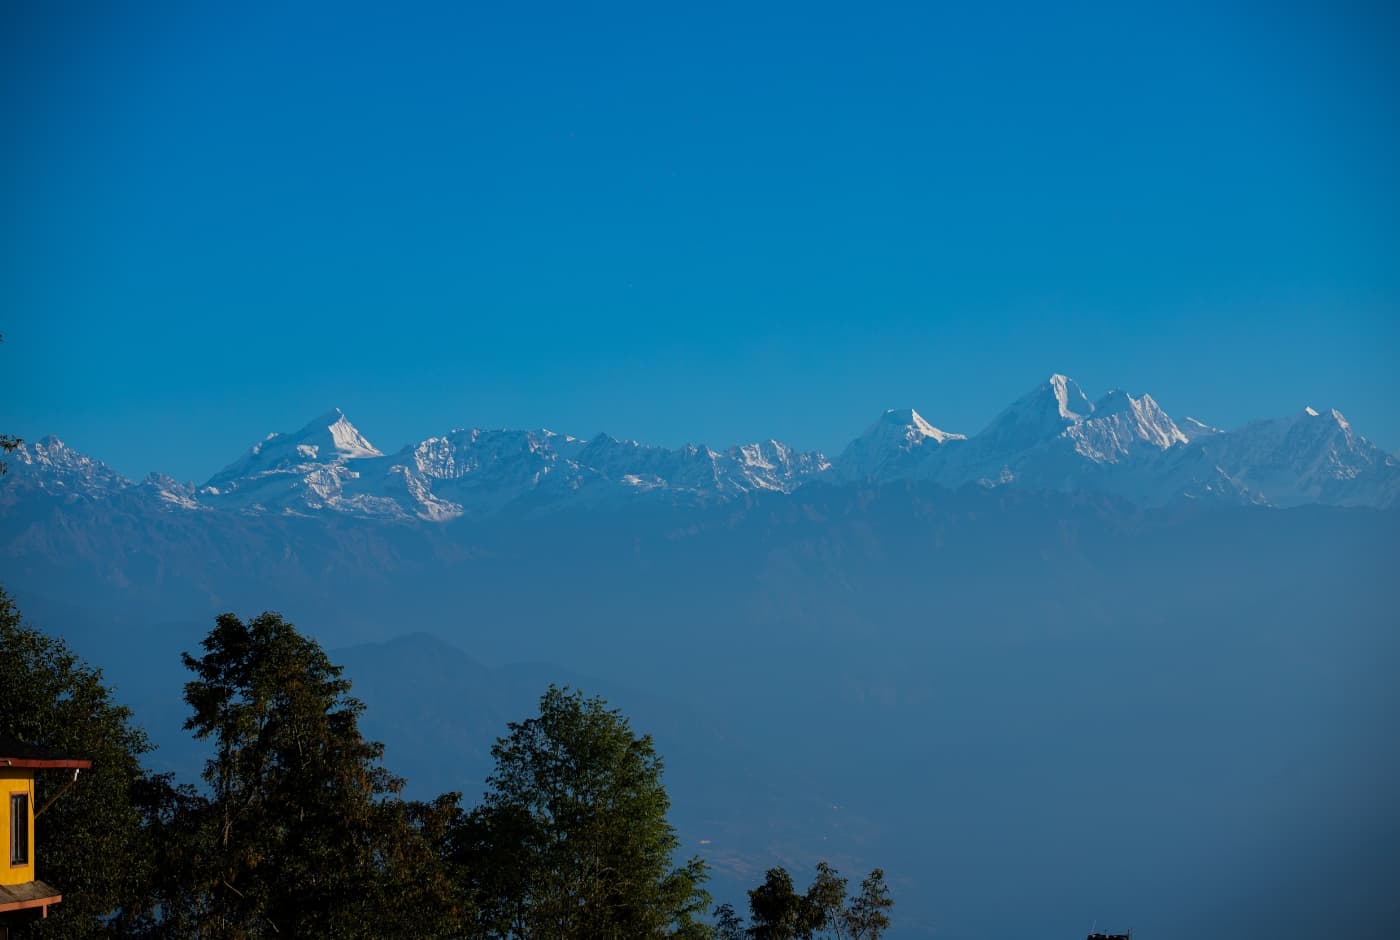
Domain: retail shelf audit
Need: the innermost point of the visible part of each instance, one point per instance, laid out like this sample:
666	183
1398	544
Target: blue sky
707	224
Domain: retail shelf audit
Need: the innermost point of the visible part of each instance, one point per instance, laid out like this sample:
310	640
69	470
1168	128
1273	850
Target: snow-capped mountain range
1053	438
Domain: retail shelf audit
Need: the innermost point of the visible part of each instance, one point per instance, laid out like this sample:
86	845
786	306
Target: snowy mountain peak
1135	418
313	459
1329	417
909	424
56	467
1040	415
1070	399
48	449
52	453
1328	422
1310	456
896	439
346	440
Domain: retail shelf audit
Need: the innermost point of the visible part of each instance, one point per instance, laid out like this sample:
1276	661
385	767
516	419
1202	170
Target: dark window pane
19	829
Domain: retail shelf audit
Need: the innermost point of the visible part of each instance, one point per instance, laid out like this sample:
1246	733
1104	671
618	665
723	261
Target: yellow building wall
15	780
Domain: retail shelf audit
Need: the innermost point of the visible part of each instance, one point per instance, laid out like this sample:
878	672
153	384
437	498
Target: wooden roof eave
34	763
30	894
8	906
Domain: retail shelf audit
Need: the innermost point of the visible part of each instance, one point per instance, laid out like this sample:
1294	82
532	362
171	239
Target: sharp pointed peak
1118	399
1069	399
326	420
1040	414
1056	382
346	439
909	424
1331	414
1060	382
903	416
1072	401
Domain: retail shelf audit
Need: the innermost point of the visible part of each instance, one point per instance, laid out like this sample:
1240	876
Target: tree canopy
778	912
572	839
91	841
300	832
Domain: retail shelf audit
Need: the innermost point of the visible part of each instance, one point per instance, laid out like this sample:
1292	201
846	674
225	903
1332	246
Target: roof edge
35	763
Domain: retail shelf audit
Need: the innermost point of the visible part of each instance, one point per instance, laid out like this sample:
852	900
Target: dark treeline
298	830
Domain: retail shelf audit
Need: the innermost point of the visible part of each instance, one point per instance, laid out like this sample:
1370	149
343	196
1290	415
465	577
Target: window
19	828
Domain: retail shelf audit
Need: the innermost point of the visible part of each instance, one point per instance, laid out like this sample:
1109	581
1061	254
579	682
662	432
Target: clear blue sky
695	222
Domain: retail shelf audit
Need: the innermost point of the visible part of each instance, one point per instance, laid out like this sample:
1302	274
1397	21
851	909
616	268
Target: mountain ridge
1052	438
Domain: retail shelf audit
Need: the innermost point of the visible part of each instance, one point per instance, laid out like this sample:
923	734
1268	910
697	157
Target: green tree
301	833
825	901
728	924
867	916
780	913
572	840
89	843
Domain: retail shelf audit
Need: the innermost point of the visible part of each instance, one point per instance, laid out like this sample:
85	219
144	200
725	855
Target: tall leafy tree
300	833
825	901
867	916
728	924
779	912
89	843
572	840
